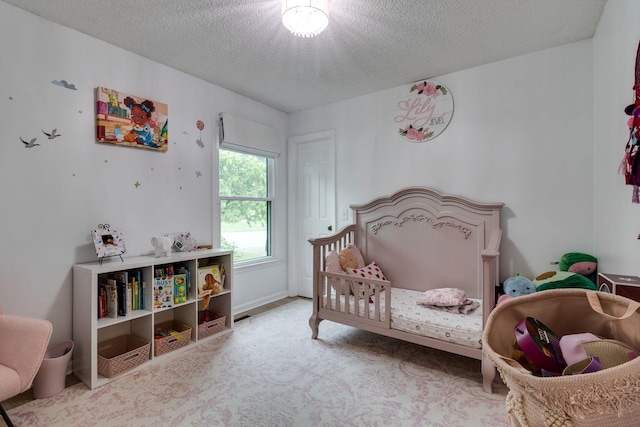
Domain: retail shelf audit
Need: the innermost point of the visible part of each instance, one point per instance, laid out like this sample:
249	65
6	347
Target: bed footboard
353	301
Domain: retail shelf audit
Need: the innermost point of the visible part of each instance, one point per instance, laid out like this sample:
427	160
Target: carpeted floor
269	372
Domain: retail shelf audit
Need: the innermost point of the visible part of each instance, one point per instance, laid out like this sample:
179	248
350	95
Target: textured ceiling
370	45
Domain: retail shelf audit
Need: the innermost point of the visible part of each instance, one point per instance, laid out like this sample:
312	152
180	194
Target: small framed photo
108	241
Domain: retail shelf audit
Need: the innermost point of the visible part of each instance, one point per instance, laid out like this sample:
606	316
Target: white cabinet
90	329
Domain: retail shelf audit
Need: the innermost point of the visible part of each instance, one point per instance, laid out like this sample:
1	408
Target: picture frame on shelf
108	241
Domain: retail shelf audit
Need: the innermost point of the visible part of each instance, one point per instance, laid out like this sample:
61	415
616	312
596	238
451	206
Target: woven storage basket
610	397
119	354
206	329
173	342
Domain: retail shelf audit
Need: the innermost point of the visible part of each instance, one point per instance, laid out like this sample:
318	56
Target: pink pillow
350	257
332	265
371	271
443	297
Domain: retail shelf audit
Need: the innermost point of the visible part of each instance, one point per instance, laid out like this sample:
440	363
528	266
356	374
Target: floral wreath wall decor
424	112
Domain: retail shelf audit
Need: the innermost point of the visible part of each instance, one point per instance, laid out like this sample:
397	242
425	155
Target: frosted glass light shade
305	18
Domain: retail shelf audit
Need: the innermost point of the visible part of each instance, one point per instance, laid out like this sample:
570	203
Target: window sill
256	264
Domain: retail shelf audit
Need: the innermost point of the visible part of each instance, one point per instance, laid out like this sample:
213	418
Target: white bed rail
331	305
369	307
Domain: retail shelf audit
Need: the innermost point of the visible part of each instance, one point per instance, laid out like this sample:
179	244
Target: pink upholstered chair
23	343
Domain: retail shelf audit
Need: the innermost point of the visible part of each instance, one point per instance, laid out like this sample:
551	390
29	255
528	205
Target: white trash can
51	377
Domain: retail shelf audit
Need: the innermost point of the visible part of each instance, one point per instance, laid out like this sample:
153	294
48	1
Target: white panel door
316	204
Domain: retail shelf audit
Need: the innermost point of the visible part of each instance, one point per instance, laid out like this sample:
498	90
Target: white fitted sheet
409	316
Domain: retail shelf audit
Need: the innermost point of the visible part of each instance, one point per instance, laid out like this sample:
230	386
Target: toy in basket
169	336
210	323
607	395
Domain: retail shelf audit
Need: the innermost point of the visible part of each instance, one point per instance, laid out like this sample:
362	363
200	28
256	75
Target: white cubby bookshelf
89	330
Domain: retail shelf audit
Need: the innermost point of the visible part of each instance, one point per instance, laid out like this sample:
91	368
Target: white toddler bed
421	240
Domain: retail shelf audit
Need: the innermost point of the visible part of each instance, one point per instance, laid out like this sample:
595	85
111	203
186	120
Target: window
245	204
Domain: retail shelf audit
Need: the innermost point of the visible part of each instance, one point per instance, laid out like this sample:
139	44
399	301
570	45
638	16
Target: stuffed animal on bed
516	286
577	262
351	257
562	280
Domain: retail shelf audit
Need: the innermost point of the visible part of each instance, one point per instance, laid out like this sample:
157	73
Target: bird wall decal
29	144
53	134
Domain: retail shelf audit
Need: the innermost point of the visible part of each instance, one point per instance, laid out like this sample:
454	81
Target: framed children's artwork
131	121
108	241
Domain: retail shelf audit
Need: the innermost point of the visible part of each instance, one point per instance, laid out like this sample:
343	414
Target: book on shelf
210	280
135	289
121	279
186	270
134	282
112	300
129	297
143	293
137	286
102	301
179	288
162	292
110	297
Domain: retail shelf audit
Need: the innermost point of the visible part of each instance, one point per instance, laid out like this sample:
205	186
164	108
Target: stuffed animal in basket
516	286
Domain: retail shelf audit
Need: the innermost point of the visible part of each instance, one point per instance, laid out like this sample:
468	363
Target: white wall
616	219
521	134
543	133
52	195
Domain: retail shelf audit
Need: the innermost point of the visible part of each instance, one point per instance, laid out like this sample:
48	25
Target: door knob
330	228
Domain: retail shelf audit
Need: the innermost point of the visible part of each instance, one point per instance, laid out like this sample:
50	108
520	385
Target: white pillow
443	297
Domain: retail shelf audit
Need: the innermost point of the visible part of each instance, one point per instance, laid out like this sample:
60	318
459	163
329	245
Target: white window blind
236	133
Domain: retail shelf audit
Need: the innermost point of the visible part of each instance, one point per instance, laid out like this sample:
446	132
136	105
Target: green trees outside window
245	204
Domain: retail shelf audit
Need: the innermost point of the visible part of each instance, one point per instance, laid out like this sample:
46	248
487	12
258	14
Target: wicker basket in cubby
120	354
211	327
180	337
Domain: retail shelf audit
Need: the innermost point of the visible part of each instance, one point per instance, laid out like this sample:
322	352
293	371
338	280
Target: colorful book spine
179	288
137	275
129	297
102	301
112	298
143	299
121	279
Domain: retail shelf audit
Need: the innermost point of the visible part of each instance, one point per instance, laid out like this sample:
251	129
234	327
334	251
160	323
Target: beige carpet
269	372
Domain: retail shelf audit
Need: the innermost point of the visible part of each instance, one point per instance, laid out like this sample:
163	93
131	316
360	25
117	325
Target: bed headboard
423	239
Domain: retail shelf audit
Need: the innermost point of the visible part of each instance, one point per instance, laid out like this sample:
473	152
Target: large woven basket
610	397
180	338
121	354
206	329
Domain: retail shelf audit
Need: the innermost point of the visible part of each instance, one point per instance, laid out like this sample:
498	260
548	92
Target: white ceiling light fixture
305	18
